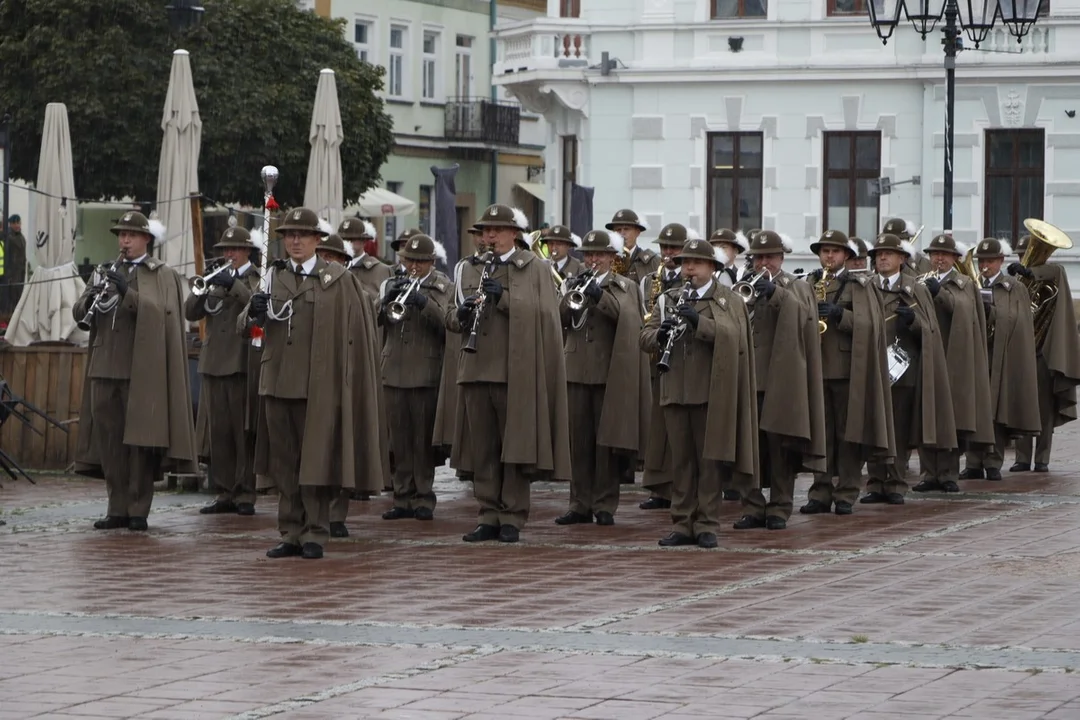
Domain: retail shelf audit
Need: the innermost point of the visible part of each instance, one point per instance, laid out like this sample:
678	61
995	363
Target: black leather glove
119	281
815	276
260	304
906	314
1018	269
829	310
594	292
399	283
666	328
465	309
687	311
416	299
223	279
494	289
765	287
934	286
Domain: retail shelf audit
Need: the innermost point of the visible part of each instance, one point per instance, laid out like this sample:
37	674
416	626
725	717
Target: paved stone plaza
947	607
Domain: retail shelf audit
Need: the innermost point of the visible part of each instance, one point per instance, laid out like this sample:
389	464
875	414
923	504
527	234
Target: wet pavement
960	606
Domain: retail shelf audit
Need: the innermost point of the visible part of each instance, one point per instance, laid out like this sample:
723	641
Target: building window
847	7
724	9
735	180
1014	181
395	84
431	65
425	210
362	39
569	8
463	66
569	174
852	161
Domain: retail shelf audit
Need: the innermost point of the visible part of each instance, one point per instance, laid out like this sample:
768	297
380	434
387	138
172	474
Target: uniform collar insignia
1005	284
326	278
722	301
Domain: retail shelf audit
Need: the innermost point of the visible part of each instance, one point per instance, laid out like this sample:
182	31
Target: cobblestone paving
964	606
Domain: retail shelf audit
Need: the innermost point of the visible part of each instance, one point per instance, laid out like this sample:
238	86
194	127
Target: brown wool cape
793	406
624	418
962	325
1061	349
345	442
537	435
1013	383
870	416
932	424
159	412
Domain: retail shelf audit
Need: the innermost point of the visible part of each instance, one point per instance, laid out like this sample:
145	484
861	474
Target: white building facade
777	114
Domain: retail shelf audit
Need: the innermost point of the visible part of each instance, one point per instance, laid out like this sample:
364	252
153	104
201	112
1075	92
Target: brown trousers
992	458
411	413
659	487
594	486
501	488
888	478
939	465
779	467
303	510
844	458
129	471
1045	441
695	492
232	448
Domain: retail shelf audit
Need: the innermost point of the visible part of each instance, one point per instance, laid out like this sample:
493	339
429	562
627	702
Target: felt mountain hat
833	238
353	229
672	235
726	235
417	247
235	237
558	233
767	242
944	243
406	234
991	248
697	250
304	220
859	246
626	217
133	221
602	241
1022	245
898	227
336	244
888	241
502	216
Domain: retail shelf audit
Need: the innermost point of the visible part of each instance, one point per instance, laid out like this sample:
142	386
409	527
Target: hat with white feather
503	216
628	218
602	241
673	235
832	238
305	220
726	235
697	249
396	243
768	242
888	241
858	246
992	248
135	221
356	229
1022	245
947	244
560	233
336	245
235	237
421	247
900	228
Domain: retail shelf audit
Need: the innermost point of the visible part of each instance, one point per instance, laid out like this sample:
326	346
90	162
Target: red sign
387	209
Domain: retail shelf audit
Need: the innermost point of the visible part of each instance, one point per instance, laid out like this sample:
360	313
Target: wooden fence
50	377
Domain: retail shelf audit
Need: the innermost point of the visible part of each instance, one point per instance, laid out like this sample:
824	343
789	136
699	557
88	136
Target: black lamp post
184	14
976	18
5	168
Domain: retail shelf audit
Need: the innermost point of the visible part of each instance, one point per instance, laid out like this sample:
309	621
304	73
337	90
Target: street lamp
184	14
977	18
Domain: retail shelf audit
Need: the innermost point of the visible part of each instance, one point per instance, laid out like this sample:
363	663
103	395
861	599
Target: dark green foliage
255	64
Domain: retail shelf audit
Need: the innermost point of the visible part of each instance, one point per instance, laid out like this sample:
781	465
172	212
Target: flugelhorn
576	299
745	288
200	285
396	309
101	301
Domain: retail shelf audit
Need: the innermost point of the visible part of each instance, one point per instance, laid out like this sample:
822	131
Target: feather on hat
519	219
324	227
616	241
157	229
785	242
961	247
692	234
910	229
440	250
907	247
369	229
741	240
1006	248
576	238
258	239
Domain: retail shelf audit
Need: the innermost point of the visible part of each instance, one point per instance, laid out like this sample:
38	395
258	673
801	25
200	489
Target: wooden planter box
50	377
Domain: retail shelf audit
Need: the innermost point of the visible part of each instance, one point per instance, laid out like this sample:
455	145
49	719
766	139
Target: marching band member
917	264
731	244
413	311
962	323
1011	355
136	419
229	368
702	330
858	405
320	428
560	241
638	262
657	475
857	262
601	313
921	399
369	270
1057	363
516	413
333	249
790	404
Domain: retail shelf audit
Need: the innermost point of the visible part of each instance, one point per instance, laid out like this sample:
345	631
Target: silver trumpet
745	288
201	285
576	299
396	310
101	301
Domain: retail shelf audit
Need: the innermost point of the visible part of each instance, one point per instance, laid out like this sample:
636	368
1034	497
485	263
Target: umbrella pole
197	241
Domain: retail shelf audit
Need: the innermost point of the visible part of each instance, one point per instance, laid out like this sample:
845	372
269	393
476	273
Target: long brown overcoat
345	443
624	418
537	435
1013	383
1061	348
870	415
159	411
933	424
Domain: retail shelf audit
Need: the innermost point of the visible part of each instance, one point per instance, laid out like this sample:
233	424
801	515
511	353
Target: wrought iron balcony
481	120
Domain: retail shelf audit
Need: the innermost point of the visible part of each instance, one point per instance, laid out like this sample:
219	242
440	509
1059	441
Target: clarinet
676	332
481	302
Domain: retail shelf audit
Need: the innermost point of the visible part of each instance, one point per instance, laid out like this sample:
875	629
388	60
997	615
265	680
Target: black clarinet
478	309
664	363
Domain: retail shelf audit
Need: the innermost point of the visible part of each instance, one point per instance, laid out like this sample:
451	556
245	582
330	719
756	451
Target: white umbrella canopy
378	202
323	191
44	312
178	170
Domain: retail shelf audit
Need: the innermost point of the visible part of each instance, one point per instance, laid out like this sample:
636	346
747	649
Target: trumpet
478	311
664	364
396	310
201	285
745	288
576	299
101	301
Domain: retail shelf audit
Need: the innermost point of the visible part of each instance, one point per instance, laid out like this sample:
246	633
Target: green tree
255	65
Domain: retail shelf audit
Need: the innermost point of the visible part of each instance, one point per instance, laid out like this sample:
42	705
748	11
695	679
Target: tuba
540	250
969	267
1045	239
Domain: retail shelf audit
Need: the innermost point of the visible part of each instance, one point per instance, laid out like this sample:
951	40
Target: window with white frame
430	89
362	37
463	66
396	85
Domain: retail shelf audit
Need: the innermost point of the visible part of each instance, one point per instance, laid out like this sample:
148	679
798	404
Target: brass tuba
969	267
540	250
1045	239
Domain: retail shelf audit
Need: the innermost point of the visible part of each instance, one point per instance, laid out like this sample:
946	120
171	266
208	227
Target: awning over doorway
537	190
